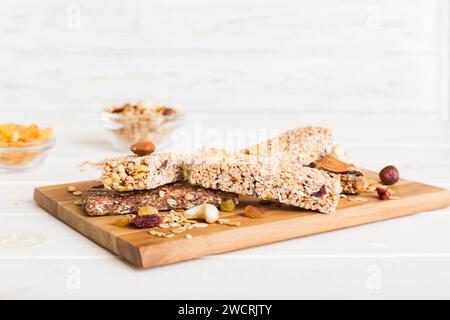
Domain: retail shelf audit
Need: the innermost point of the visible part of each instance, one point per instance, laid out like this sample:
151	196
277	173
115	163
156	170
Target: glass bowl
18	156
125	130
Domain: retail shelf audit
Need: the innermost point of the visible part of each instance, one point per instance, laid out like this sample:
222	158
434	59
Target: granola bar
265	178
306	145
142	173
302	145
100	201
352	182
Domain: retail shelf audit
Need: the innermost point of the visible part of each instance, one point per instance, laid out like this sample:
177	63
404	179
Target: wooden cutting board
280	223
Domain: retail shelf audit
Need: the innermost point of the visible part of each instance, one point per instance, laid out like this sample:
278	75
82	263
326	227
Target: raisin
147	210
227	205
321	192
123	221
149	221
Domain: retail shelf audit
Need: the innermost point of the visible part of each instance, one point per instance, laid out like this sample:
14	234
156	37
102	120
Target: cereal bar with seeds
303	145
306	145
101	202
142	173
352	182
269	178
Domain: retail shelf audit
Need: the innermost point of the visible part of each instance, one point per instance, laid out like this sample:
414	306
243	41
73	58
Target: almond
143	148
333	165
253	212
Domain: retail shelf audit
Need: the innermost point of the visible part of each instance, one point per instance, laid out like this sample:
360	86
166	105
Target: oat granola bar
142	173
100	201
265	178
302	145
352	182
306	145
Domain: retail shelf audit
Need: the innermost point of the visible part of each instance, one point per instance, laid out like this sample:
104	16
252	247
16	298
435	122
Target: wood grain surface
280	223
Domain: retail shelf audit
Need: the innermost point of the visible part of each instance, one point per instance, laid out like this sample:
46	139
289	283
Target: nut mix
141	121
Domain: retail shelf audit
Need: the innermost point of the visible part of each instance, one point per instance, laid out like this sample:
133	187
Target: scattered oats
72	189
78	203
174	224
164	225
343	196
200	225
172	202
157	233
358	199
188	236
95	165
223	221
178	230
189	197
234	223
170	235
77	193
189	227
161	194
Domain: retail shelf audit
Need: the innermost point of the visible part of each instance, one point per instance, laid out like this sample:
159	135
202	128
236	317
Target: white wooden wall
346	57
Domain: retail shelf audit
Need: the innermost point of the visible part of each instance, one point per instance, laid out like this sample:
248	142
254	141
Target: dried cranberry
321	192
168	111
119	110
149	221
383	194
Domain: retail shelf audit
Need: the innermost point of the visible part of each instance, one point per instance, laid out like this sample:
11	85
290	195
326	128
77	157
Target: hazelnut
383	194
389	175
143	148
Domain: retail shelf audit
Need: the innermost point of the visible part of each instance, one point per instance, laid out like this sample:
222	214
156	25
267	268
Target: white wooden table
40	257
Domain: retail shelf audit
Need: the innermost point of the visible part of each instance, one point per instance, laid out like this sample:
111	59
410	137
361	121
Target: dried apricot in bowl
23	147
14	133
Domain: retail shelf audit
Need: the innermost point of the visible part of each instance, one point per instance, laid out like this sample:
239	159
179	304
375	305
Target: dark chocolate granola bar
101	202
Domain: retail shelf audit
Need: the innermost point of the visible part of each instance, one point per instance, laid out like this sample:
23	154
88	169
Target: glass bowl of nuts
143	121
23	147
